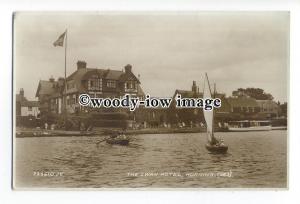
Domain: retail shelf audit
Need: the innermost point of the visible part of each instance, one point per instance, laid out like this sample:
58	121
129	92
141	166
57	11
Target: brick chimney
61	81
22	92
195	89
128	68
81	65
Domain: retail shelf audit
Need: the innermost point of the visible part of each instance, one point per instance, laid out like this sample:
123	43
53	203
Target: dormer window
111	83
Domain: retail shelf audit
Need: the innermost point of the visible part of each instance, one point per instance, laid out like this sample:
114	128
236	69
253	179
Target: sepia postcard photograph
150	100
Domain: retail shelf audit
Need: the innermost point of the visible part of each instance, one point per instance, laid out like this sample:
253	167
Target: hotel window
111	84
95	83
68	100
153	114
92	94
29	108
130	85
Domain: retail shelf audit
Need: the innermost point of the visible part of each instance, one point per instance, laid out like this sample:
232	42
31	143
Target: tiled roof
79	73
45	88
188	94
125	76
267	103
84	73
242	102
29	103
77	77
113	74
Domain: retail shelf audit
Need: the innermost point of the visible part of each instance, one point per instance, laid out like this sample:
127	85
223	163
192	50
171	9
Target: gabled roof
45	88
29	104
129	75
77	77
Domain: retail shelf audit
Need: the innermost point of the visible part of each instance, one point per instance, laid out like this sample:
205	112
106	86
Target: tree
256	93
284	109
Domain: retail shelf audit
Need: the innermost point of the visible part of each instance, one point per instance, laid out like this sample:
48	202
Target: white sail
208	115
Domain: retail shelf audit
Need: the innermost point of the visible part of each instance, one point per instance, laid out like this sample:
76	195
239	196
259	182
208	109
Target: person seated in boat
214	141
114	135
118	135
122	135
221	143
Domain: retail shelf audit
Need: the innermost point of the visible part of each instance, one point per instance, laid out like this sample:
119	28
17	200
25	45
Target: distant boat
249	125
213	145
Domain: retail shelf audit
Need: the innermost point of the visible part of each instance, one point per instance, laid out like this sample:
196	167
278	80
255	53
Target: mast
212	133
65	90
213	120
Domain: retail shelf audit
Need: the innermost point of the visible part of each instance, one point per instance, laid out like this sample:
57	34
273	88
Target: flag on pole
60	40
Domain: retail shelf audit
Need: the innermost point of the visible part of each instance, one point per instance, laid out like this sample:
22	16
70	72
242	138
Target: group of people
119	135
217	142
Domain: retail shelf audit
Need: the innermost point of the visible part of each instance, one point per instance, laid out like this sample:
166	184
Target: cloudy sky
167	50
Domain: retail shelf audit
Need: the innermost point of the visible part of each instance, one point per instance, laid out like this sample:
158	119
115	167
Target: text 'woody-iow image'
150	100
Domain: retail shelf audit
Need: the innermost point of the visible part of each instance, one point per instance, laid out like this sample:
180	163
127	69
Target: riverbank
31	132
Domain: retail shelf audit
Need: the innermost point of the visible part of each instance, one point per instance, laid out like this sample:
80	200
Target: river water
254	159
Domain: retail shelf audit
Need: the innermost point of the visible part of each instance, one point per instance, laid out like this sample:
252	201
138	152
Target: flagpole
65	101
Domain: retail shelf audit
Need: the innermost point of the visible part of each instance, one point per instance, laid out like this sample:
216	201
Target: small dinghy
213	145
118	139
216	148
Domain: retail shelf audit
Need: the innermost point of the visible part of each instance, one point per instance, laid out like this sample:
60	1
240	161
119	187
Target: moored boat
249	125
279	128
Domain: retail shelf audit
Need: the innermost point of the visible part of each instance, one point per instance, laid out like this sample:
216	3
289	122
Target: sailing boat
213	145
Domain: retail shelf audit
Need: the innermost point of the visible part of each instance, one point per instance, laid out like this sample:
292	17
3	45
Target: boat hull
118	141
279	128
216	149
248	129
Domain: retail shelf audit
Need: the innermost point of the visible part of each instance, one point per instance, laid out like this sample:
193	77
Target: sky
167	50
